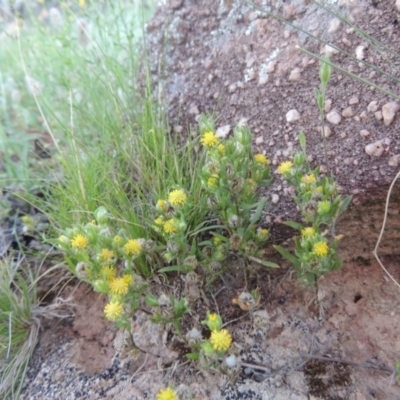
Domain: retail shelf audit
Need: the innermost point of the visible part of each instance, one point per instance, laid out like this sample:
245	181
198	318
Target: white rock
360	52
389	111
275	198
346	42
347	112
334	25
263	78
364	133
394	161
343	135
374	149
330	51
363	116
378	115
328	104
292	116
398	4
328	131
353	100
334	117
259	140
373	106
223	131
295	75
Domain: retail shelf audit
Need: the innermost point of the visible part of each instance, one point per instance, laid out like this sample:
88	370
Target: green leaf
172	268
294	225
193	356
264	262
206	228
302	140
258	212
345	203
290	257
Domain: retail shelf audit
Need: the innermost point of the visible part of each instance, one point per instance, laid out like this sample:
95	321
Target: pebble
394	160
275	198
374	149
194	110
328	104
328	131
292	116
373	106
364	133
259	140
360	52
347	112
334	25
295	75
330	51
346	42
398	5
363	116
389	111
353	100
343	135
333	117
223	131
378	115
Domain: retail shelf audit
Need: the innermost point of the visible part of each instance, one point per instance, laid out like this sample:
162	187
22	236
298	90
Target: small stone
263	78
378	115
232	88
259	140
292	116
271	66
343	135
353	100
334	25
295	75
363	116
330	51
333	117
327	130
373	106
364	133
389	111
347	112
223	131
360	52
346	42
194	110
398	5
275	198
394	160
271	143
328	104
207	63
374	149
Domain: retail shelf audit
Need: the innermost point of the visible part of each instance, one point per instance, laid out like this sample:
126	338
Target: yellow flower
167	394
213	317
106	255
308	232
79	241
162	205
324	207
209	139
82	3
320	249
119	286
213	180
108	272
285	167
217	240
170	226
159	221
117	239
221	340
132	247
113	310
128	278
308	179
262	233
261	159
177	197
221	148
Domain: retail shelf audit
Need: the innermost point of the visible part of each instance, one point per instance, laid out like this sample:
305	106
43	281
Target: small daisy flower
106	255
177	197
209	139
119	286
285	167
320	249
221	340
324	207
79	241
128	278
159	221
113	310
308	232
133	247
108	273
261	159
308	179
214	322
221	148
167	394
161	205
262	233
212	181
117	239
170	226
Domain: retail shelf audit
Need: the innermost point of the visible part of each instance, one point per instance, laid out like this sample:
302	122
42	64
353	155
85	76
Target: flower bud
299	159
213	321
100	286
101	215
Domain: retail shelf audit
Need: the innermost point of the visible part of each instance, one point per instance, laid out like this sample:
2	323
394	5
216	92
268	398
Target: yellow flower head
308	179
133	247
170	226
79	241
324	207
320	249
213	180
27	220
221	148
128	278
119	286
209	139
285	167
113	310
262	233
177	197
308	232
217	240
261	159
162	205
167	394
108	273
117	239
106	255
213	317
159	221
220	340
